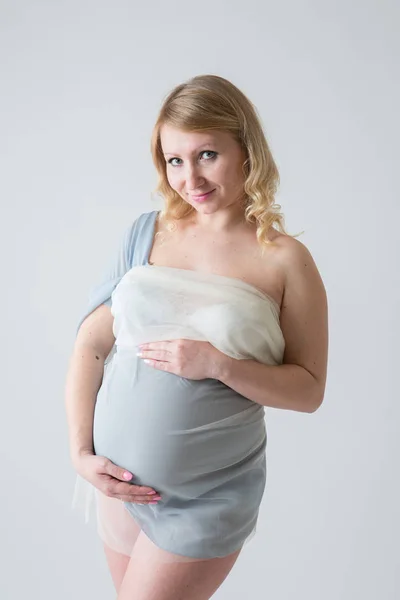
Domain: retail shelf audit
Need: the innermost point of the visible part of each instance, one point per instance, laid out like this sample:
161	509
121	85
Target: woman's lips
202	197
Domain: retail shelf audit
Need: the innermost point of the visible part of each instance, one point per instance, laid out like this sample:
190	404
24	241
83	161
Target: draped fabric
199	443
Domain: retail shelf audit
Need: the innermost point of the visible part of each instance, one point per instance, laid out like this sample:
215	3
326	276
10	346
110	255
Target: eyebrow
206	145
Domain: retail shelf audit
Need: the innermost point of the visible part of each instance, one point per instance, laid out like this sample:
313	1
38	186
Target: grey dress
199	443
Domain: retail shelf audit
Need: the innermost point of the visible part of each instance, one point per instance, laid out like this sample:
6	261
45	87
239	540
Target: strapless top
155	303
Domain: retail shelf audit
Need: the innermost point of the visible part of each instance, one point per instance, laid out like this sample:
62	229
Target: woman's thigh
118	531
154	574
117	565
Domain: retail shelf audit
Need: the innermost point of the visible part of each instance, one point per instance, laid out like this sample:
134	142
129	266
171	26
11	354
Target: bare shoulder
304	311
296	261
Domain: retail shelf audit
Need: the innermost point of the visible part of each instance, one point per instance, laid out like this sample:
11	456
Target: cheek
235	176
173	179
227	176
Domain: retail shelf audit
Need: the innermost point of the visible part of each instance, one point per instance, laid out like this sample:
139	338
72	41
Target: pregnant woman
209	312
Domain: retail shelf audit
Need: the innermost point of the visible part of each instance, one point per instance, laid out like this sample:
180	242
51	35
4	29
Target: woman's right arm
93	343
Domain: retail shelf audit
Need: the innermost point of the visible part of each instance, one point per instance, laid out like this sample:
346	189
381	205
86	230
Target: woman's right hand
109	479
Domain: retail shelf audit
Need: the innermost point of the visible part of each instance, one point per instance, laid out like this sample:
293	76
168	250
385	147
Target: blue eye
203	152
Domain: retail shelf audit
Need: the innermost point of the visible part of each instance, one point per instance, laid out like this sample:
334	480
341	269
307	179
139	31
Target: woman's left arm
299	382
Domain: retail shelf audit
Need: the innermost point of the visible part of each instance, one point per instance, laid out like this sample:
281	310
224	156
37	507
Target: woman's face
197	163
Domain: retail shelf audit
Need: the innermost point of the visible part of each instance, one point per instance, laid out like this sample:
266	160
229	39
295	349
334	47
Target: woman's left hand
192	359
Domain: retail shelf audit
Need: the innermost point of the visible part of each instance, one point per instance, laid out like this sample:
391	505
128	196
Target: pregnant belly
169	430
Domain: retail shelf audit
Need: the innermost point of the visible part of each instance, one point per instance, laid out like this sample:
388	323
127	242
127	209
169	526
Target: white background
81	85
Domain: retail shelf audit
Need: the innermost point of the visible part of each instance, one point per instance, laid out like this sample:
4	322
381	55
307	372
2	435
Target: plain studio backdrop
81	85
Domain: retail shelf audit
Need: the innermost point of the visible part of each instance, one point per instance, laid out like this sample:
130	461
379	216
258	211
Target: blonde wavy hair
206	103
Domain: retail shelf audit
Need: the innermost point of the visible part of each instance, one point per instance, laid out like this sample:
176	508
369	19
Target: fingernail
127	475
153	492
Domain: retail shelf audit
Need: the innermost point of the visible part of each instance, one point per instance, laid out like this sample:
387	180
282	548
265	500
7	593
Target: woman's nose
194	179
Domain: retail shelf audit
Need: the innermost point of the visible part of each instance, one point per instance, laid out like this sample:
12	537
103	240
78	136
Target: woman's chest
237	257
